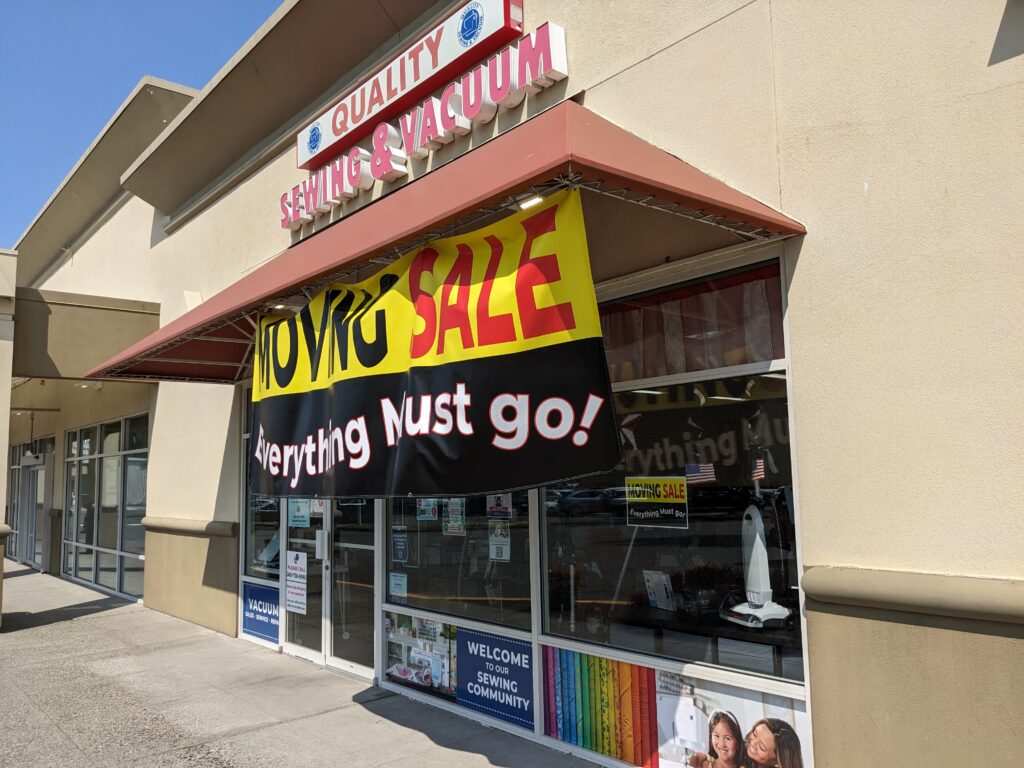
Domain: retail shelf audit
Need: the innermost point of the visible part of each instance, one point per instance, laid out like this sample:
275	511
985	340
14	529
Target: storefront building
778	208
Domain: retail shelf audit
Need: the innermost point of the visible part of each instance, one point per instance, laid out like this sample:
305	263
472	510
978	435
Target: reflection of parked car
594	501
552	498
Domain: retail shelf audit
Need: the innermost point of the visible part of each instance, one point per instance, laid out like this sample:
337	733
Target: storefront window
86	501
731	320
263	536
136	470
105	502
467	556
262	531
687	550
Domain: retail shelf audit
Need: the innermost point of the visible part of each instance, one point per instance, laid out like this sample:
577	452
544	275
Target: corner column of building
192	511
8	275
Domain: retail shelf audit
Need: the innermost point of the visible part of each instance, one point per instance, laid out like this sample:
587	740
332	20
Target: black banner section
474	426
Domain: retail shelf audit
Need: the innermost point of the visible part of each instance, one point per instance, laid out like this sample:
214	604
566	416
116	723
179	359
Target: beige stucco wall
897	136
194	469
115	261
194	577
893	688
898	143
892	137
901	149
889	136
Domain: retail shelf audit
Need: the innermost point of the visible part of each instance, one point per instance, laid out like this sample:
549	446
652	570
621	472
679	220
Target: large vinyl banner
471	365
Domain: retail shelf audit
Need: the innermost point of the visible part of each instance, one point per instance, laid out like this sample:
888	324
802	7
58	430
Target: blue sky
67	65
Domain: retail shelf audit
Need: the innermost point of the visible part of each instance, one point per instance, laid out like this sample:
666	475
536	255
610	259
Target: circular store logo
315	136
471	24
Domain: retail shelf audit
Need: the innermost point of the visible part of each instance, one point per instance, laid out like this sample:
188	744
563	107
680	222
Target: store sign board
657	502
495	676
468	35
261	610
474	364
529	65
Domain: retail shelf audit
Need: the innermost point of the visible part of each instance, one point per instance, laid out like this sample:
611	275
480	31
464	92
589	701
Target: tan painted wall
895	134
891	136
885	133
898	142
195	453
115	261
904	689
194	577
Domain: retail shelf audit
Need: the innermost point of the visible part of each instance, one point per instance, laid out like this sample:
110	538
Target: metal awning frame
293	301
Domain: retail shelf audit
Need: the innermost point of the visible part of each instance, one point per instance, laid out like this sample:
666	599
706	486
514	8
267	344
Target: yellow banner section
519	284
663	490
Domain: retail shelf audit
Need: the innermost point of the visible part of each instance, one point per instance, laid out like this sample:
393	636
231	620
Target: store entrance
330	562
353	564
33	511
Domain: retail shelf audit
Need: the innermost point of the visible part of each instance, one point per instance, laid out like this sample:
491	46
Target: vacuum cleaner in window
759	611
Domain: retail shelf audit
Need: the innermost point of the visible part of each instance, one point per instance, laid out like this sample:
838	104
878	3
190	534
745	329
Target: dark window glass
110	437
137	436
730	320
86	558
262	530
133	535
106	567
71	501
88	445
110	498
713	580
132	570
72	444
262	537
467	556
86	501
353	578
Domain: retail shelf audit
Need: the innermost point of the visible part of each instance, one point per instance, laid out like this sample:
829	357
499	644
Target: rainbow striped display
603	705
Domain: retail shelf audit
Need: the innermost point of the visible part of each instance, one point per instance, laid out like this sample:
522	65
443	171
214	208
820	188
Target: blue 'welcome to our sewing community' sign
495	676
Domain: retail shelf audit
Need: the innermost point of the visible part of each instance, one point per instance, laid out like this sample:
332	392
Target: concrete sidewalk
90	680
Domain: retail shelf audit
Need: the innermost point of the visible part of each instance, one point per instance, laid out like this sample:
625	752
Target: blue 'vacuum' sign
260	611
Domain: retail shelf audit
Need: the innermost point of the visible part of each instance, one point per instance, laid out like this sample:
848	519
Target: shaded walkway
89	680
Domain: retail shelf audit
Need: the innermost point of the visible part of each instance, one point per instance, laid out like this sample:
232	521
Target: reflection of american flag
700	473
757	470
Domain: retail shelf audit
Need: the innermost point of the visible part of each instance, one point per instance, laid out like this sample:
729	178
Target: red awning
213	342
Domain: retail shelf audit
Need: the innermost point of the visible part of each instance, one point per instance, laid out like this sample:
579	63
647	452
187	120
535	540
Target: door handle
321	545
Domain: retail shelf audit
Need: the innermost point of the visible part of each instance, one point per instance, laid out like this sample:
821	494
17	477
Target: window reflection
467	556
712	579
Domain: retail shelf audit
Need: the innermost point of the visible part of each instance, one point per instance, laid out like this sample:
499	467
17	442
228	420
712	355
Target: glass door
33	514
305	573
351	622
27	514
